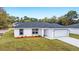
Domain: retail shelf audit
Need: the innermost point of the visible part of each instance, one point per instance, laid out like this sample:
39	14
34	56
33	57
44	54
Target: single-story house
74	28
47	30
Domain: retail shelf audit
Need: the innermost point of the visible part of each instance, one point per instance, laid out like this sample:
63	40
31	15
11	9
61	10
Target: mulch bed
29	37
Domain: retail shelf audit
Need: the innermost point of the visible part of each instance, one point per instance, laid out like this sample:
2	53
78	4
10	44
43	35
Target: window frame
34	31
21	31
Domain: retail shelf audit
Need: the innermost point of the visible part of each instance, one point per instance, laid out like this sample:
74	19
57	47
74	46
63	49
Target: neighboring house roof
37	25
73	26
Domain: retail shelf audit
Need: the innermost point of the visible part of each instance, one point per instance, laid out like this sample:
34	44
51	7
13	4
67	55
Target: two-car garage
61	32
56	32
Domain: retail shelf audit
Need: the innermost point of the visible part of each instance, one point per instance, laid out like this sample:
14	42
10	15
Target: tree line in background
6	20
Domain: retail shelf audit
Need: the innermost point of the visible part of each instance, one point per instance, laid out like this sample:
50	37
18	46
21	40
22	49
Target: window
34	31
21	31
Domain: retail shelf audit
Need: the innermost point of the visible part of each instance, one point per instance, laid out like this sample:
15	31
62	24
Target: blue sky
39	12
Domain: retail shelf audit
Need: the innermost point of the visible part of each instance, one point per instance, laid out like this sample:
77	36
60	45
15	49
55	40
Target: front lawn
74	35
8	42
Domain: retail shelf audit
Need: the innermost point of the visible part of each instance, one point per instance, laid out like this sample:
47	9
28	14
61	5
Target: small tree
53	19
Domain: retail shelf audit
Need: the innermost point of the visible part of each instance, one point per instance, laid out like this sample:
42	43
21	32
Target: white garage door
74	30
61	32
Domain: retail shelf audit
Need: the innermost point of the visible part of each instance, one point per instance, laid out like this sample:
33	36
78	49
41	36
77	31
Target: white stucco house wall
74	28
47	30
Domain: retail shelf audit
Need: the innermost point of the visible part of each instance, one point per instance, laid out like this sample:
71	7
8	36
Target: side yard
74	36
9	43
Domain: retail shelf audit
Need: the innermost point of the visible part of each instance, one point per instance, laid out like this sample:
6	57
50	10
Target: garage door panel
60	33
74	30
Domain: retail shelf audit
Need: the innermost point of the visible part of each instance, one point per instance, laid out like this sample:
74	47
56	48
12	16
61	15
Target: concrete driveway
70	40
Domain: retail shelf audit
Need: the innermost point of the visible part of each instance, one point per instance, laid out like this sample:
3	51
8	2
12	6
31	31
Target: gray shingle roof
73	26
37	25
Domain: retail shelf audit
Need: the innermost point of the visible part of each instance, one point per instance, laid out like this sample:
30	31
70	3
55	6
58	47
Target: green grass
74	35
9	43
